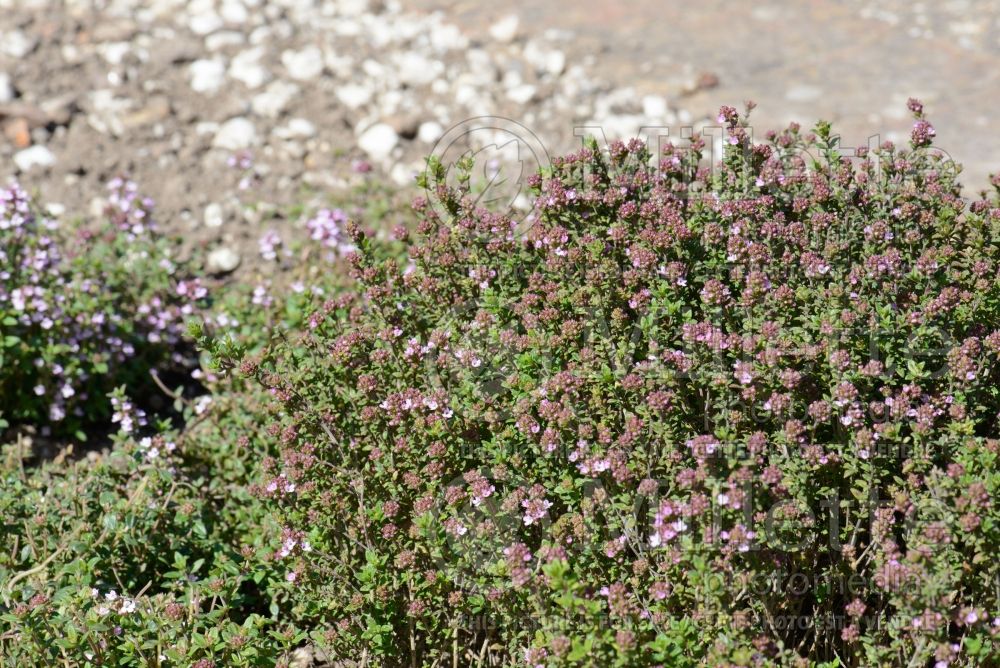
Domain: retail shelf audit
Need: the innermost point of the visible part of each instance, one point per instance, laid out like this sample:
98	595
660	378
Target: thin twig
166	390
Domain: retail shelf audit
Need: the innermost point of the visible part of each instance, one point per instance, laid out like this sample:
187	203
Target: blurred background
854	62
229	111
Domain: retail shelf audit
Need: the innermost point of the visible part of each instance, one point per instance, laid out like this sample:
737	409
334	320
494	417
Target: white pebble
36	156
6	88
204	23
543	59
247	69
296	128
654	106
522	94
207	76
17	44
429	132
235	134
415	70
275	98
220	40
223	260
378	141
354	95
505	30
804	93
114	52
304	64
233	11
213	215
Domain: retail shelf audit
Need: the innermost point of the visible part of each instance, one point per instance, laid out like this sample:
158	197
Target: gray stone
60	109
405	124
302	658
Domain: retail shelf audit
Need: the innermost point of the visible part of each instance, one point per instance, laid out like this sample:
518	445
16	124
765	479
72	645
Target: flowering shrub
82	310
738	415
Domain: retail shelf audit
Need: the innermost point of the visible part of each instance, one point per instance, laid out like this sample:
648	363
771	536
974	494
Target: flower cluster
84	309
327	227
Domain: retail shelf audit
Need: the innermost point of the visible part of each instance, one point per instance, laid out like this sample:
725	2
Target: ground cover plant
741	416
680	414
152	553
83	310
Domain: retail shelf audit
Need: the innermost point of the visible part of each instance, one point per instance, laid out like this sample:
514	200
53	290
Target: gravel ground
179	94
853	62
